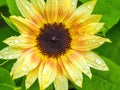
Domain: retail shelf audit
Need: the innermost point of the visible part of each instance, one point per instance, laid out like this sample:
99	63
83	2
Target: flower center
54	40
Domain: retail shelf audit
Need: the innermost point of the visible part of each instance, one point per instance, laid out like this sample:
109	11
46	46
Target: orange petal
47	73
31	77
91	28
29	11
64	9
28	61
73	72
62	68
87	42
52	10
22	41
81	12
10	53
25	26
79	61
83	20
95	61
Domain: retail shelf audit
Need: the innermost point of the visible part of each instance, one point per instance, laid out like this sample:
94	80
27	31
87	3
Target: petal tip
108	40
90	76
27	85
105	68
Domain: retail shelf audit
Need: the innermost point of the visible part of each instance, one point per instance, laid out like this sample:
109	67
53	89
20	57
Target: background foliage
110	80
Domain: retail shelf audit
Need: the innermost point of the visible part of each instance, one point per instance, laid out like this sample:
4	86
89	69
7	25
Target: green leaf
7	64
9	22
103	80
2	2
6	82
13	7
109	12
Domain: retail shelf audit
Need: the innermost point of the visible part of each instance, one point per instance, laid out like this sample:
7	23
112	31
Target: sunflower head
55	42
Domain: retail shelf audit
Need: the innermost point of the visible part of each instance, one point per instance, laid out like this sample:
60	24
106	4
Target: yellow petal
28	61
71	9
79	61
95	61
21	41
81	12
47	73
29	11
85	8
40	5
92	19
91	28
88	42
73	72
61	82
62	68
10	53
25	26
74	4
31	77
83	20
64	9
52	10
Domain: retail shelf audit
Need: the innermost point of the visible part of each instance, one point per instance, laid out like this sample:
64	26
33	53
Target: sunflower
55	42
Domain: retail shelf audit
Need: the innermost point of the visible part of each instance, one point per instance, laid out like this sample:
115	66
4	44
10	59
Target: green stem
3	63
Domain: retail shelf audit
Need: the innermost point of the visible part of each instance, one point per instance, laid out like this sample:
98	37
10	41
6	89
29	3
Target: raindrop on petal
24	68
98	61
1	56
98	27
16	41
101	42
89	6
10	56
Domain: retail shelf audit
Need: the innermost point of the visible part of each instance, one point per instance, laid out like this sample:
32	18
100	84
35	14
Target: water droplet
1	56
10	56
98	61
73	3
7	49
5	53
105	68
83	38
82	20
16	41
89	6
93	41
89	65
24	68
98	27
101	42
